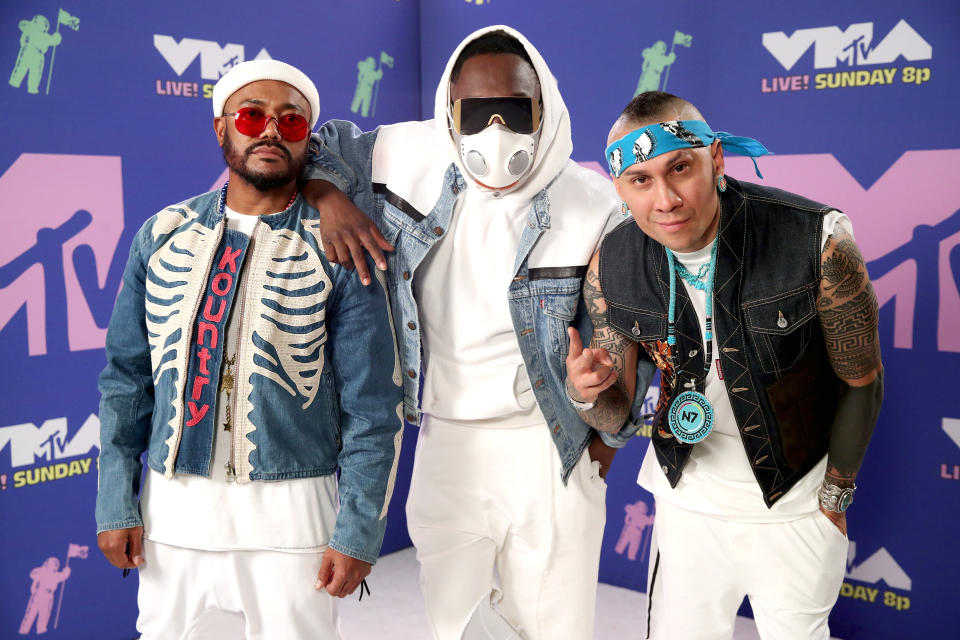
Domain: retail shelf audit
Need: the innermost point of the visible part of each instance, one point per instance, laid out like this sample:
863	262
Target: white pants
488	502
702	567
186	594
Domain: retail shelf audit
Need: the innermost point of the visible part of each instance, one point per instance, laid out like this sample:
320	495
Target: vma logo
214	62
852	47
880	566
50	443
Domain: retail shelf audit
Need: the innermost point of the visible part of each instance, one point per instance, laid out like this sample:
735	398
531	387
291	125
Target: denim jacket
318	379
543	301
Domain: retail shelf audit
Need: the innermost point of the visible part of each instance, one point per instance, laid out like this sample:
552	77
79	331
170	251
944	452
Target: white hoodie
474	369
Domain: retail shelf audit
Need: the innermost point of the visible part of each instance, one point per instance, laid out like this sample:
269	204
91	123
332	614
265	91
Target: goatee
262	181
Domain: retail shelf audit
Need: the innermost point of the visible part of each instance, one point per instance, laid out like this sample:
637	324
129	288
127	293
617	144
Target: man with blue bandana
756	307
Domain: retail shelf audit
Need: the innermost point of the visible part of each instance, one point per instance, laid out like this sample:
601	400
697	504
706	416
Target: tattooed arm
847	307
606	372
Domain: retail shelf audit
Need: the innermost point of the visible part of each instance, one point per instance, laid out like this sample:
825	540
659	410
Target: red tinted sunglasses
251	122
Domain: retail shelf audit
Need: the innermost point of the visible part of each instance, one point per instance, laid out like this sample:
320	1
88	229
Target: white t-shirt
474	372
718	479
214	514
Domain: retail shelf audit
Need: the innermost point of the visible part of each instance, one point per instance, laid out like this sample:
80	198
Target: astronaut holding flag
656	60
47	578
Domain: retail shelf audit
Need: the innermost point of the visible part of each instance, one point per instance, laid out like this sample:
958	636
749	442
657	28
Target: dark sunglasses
473	115
251	122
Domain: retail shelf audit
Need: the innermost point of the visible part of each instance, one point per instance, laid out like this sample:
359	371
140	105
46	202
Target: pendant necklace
690	417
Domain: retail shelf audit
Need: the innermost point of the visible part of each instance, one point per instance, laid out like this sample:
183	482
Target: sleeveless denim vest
777	375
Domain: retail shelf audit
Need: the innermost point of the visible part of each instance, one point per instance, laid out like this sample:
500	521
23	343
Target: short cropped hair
654	106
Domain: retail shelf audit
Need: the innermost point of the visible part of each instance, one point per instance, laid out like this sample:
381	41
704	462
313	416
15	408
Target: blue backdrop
109	121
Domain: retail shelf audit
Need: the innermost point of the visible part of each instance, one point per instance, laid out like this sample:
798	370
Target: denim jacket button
412	419
456	188
406	275
411	325
438	231
412	373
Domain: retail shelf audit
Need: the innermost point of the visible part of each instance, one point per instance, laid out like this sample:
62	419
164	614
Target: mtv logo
214	59
61	261
28	443
879	566
852	46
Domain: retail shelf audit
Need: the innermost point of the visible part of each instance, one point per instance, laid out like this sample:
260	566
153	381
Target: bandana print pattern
644	147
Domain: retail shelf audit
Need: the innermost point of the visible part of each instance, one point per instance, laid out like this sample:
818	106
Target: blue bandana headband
656	139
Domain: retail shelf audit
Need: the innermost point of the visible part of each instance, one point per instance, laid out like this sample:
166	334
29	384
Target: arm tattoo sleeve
848	313
612	407
847	307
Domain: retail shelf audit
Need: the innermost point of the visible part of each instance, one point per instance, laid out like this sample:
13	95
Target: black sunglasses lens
478	113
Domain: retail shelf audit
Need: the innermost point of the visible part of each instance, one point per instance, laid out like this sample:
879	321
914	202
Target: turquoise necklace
690	417
695	281
709	270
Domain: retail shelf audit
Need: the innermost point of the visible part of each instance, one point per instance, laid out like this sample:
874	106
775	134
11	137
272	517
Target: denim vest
777	374
543	302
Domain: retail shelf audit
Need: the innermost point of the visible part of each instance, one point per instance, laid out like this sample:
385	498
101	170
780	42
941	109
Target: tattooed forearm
840	477
612	405
847	307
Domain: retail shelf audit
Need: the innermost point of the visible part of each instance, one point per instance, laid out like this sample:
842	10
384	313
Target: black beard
262	181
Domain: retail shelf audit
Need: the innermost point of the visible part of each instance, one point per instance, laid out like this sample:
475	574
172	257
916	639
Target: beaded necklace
710	270
223	198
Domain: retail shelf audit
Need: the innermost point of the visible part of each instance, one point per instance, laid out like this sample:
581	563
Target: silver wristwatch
579	406
834	498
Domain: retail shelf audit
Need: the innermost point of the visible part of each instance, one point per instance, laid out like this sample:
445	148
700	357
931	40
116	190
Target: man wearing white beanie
232	361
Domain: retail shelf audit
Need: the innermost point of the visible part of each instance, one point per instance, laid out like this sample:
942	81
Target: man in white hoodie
493	225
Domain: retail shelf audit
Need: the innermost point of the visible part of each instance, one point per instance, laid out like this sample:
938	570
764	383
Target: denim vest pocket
780	327
559	303
639	326
406	219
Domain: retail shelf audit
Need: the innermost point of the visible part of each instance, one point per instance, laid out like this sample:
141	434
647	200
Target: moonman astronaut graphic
367	75
34	42
46	578
635	525
655	60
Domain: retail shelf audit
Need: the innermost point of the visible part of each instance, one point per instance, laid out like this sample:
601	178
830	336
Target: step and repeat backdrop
108	120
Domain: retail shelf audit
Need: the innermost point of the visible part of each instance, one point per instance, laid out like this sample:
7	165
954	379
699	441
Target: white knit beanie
253	70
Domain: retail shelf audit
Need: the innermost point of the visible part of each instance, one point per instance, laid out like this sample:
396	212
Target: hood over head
555	144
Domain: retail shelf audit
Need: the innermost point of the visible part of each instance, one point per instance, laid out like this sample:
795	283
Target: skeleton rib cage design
283	302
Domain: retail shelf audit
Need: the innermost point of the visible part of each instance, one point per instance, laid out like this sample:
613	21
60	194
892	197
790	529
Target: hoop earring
722	183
